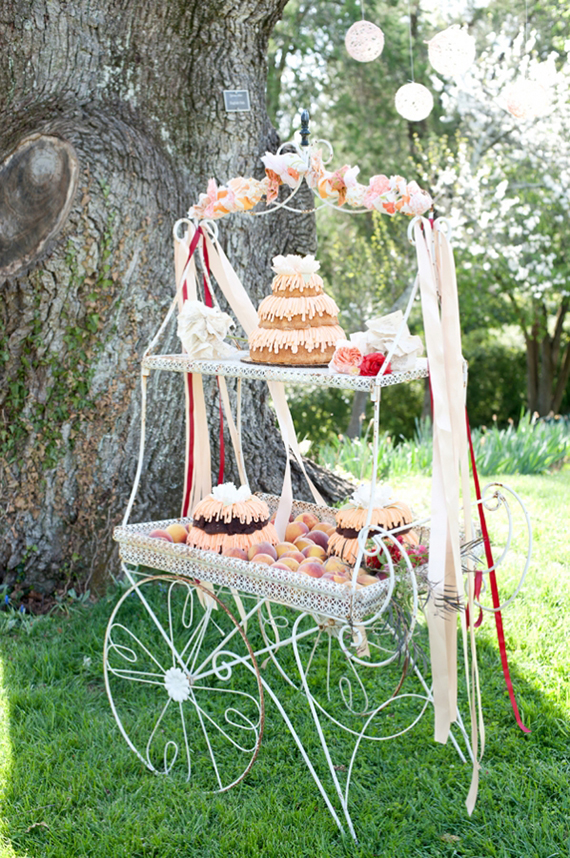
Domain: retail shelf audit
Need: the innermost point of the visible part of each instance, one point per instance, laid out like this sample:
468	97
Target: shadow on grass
72	787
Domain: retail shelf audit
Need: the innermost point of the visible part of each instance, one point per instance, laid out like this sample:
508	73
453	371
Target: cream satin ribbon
201	456
246	314
450	452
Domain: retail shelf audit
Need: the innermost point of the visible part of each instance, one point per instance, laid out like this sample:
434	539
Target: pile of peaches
304	551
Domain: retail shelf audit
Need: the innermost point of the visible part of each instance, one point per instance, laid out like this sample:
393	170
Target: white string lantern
414	102
452	51
526	99
364	41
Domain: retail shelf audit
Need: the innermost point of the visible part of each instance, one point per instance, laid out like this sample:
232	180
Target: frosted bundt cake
351	518
298	323
230	518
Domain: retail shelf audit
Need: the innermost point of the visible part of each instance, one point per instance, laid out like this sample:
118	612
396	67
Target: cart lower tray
315	595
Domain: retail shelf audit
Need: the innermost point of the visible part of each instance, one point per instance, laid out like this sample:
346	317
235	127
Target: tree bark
130	93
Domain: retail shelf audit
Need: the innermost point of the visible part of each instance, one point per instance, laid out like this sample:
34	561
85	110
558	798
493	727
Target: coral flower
346	360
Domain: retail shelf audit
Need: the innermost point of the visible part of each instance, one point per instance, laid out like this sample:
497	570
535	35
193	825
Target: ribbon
246	314
197	477
222	448
450	458
494	587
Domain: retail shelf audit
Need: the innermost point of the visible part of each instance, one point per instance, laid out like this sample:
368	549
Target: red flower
372	364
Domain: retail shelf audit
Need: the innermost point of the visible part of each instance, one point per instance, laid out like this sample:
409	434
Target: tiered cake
298	323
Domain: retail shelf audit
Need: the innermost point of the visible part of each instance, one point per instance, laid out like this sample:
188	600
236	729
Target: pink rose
347	360
372	364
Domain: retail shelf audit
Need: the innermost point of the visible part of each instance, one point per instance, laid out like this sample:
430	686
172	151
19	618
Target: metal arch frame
352	632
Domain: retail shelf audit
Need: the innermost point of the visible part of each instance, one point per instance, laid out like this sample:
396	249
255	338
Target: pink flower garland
386	195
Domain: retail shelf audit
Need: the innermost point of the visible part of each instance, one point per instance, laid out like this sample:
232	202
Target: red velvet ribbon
494	587
222	447
188	381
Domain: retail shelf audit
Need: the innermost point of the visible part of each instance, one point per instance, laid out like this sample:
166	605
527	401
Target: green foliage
366	267
321	414
496	387
532	447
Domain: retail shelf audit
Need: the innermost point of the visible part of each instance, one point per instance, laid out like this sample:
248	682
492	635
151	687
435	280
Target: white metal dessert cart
198	642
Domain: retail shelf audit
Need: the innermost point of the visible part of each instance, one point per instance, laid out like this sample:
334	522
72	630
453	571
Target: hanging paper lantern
452	51
364	41
526	99
414	102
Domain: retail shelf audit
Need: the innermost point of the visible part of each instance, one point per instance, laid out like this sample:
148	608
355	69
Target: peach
319	538
239	553
336	565
312	568
293	555
294	530
366	580
262	548
340	579
290	562
266	559
178	532
279	564
161	534
349	584
315	551
303	542
282	547
324	527
308	518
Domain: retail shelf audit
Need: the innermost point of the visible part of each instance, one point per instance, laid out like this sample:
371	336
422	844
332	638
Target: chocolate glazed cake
230	518
351	519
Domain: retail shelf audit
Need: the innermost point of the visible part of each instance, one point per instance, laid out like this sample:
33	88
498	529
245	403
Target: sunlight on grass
70	786
6	760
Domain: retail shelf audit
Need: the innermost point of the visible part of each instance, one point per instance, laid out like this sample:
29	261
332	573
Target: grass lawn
70	786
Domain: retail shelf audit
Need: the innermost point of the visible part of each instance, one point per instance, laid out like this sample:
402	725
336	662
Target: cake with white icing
298	322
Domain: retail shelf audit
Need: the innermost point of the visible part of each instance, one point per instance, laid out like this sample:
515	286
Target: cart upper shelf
321	375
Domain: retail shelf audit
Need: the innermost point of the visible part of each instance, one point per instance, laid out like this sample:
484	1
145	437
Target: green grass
70	786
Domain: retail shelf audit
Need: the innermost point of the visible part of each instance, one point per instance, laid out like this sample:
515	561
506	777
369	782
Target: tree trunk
112	112
548	363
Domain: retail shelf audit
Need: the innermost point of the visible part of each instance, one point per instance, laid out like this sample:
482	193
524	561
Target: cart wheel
183	682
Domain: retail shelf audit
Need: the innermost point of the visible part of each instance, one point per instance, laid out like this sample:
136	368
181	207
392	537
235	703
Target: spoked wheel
183	682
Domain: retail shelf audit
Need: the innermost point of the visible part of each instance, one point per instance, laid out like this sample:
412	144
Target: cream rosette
306	266
229	493
202	330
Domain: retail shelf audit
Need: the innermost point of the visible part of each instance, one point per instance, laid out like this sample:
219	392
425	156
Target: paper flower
346	359
202	330
177	684
373	363
246	193
316	169
383	330
287	169
386	195
335	185
360	498
378	186
229	494
359	340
